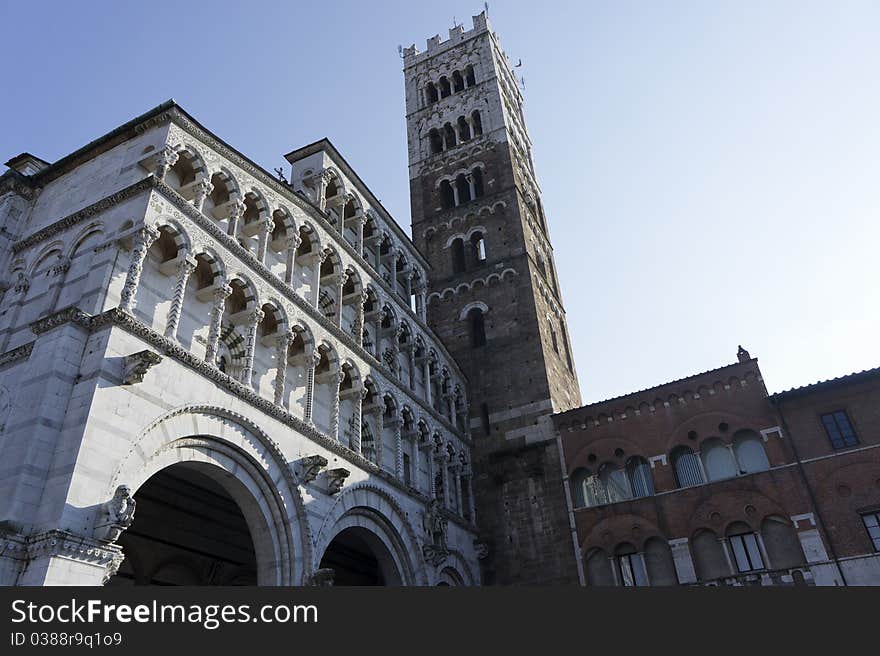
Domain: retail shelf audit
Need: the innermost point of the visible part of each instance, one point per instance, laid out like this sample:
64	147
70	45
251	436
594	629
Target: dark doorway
359	558
187	530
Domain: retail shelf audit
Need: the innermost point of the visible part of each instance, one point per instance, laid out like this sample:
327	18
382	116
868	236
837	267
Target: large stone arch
370	507
455	571
214	437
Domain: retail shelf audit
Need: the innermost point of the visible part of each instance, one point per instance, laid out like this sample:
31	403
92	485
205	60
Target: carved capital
165	159
255	317
284	339
293	242
236	209
187	265
222	292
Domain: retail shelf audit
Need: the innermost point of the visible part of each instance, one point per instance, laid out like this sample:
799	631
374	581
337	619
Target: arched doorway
358	557
189	529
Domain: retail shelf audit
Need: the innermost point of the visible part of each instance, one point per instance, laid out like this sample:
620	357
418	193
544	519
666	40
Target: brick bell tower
493	295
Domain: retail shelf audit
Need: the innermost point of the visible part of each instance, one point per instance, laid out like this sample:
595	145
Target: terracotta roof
847	379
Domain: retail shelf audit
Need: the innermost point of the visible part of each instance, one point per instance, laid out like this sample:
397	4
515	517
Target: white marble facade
167	302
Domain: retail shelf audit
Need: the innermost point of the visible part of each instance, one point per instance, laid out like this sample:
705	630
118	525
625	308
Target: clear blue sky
711	170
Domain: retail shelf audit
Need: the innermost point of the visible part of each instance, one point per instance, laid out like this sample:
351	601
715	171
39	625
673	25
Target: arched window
615	482
598	567
477	176
630	566
659	562
477	122
638	471
464	130
553	339
718	461
579	487
457	255
469	76
540	263
478	327
464	188
687	467
566	347
449	133
457	82
447	195
781	542
431	93
709	560
744	545
478	244
749	451
445	89
436	141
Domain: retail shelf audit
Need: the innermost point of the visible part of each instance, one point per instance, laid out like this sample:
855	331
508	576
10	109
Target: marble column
201	190
143	240
282	344
356	440
267	225
340	283
292	244
254	319
336	381
313	360
359	320
236	210
221	292
398	448
185	268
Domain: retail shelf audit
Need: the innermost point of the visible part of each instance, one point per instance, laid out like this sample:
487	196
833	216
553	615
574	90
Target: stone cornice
15	182
22	352
83	214
118	318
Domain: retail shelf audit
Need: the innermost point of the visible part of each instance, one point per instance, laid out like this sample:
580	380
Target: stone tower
493	294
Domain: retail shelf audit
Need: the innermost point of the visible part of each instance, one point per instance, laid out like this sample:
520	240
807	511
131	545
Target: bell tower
493	296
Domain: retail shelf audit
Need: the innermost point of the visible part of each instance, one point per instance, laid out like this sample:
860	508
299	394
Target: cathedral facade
215	375
211	376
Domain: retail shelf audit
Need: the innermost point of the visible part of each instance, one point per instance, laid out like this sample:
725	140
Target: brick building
710	480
